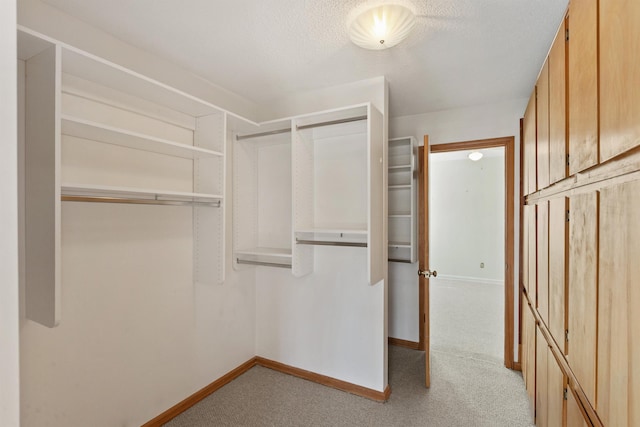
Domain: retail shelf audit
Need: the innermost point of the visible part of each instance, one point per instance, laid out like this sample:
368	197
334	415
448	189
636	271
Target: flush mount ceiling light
475	156
381	27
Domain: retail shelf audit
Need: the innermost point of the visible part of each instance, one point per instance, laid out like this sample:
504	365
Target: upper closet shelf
87	66
108	194
86	129
400	168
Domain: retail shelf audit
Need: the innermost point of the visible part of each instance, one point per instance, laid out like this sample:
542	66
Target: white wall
466	217
9	338
465	124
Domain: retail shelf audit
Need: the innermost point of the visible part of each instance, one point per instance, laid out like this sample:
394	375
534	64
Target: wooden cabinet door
529	144
583	85
558	108
555	392
542	118
583	289
558	235
618	401
542	386
542	300
574	415
529	354
619	76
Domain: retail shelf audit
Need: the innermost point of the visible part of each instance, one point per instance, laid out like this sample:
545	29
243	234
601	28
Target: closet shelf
74	126
400	168
400	215
399	187
336	230
108	194
267	257
261	251
399	244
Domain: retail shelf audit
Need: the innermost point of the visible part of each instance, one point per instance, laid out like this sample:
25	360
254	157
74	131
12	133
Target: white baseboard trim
479	280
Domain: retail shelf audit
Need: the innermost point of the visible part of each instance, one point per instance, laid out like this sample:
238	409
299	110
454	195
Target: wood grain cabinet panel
542	117
555	390
618	401
558	235
574	415
533	255
558	108
583	289
619	76
542	300
542	385
583	85
529	136
529	354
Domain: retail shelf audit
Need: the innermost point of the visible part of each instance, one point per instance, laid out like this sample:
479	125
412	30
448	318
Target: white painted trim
479	280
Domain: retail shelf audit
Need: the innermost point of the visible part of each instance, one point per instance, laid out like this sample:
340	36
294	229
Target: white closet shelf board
86	129
399	187
87	66
277	252
400	168
400	244
135	193
400	215
336	230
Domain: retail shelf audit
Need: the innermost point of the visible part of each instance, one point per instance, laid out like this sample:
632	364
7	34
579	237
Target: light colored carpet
465	391
467	318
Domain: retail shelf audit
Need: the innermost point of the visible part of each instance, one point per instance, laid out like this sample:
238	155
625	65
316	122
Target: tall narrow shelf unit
403	223
337	185
261	194
97	132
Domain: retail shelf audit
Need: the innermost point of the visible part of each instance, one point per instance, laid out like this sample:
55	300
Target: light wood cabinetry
529	144
583	85
618	382
558	107
619	76
581	228
542	117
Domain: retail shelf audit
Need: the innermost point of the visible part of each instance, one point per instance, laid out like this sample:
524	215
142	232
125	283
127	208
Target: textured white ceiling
461	52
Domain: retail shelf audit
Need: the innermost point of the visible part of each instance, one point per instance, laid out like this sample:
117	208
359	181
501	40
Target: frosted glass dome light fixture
381	27
475	156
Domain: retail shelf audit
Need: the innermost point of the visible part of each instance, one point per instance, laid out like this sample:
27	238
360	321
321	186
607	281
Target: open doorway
470	219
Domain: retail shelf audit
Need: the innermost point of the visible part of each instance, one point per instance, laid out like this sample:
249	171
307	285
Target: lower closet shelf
332	237
267	257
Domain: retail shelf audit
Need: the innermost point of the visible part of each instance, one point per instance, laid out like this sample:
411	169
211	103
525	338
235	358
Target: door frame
508	143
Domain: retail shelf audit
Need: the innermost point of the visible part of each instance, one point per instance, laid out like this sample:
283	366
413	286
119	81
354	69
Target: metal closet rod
130	201
332	122
263	263
326	243
309	126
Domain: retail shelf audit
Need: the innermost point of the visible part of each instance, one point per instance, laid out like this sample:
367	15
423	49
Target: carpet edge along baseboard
174	411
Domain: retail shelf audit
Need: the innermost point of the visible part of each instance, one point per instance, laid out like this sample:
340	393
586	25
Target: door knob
427	273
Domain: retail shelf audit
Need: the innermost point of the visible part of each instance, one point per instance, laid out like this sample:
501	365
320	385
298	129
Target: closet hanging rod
257	135
266	264
332	122
399	260
167	202
326	243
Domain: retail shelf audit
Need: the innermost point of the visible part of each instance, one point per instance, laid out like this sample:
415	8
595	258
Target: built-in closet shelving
337	186
261	194
98	132
308	181
402	200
